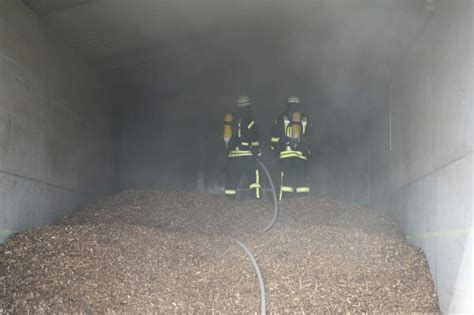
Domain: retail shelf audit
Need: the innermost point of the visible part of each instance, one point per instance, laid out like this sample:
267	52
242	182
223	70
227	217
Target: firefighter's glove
256	152
233	143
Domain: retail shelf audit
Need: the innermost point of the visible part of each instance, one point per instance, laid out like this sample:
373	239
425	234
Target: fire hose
263	305
261	283
275	199
227	135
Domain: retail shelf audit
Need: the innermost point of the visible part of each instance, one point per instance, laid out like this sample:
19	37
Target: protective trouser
294	177
237	167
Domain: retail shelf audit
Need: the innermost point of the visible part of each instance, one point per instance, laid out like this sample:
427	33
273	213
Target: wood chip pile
148	251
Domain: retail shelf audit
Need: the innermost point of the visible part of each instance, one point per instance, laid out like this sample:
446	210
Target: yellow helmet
293	100
243	101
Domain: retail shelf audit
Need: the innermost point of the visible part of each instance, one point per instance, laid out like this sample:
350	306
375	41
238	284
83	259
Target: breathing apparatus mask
241	111
294	108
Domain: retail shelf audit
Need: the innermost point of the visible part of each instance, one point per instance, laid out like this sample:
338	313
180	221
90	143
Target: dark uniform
242	149
293	155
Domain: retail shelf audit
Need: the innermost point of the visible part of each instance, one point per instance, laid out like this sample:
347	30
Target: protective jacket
244	140
282	142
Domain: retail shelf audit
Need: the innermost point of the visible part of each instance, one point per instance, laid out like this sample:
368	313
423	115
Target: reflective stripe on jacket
281	137
244	138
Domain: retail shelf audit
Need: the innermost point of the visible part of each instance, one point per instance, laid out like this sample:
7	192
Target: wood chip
152	251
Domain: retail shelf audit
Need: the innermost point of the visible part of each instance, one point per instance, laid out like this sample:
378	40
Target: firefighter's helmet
243	101
293	100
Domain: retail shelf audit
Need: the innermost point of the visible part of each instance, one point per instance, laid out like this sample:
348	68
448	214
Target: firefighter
290	140
242	144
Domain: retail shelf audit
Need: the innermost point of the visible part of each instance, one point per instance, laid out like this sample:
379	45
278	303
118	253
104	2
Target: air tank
228	118
296	126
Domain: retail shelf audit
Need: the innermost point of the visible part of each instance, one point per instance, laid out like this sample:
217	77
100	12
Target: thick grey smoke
335	55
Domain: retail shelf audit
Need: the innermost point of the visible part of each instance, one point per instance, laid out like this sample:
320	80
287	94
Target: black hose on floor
275	199
263	305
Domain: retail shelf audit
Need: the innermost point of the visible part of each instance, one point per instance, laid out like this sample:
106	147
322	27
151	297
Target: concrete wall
340	168
421	144
169	142
55	125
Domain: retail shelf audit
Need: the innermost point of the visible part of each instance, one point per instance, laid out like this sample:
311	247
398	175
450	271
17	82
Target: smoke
332	53
335	55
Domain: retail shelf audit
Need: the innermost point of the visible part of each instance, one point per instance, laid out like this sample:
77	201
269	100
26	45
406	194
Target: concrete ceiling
112	32
117	33
337	49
